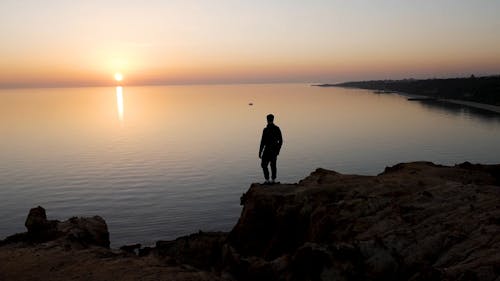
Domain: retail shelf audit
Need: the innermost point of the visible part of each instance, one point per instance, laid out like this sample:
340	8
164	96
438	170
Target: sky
85	42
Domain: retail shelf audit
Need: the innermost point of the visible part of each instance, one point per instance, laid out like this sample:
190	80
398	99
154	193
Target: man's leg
273	167
264	164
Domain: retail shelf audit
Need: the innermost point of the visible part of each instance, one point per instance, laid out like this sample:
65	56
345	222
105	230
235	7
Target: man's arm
280	140
262	143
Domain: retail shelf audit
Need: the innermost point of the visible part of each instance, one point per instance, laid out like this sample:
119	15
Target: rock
36	220
309	261
39	228
493	170
414	221
378	259
81	232
85	231
132	249
203	249
428	274
145	251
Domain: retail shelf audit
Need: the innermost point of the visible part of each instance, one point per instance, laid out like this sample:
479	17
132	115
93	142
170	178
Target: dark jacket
271	141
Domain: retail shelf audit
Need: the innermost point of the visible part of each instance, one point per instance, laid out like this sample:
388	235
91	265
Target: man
270	146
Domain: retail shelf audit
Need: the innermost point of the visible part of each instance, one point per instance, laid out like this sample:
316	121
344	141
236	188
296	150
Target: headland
477	92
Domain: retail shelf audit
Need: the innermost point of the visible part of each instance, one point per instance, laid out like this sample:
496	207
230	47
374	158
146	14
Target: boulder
36	220
39	228
85	231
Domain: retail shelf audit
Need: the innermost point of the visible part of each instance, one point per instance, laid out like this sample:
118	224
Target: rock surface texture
415	221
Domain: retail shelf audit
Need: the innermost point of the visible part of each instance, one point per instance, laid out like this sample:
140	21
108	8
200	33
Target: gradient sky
59	42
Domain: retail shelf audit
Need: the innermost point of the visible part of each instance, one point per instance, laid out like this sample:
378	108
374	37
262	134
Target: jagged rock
309	261
36	220
415	220
83	232
203	249
378	259
493	170
39	228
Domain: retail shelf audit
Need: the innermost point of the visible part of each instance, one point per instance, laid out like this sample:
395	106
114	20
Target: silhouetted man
270	146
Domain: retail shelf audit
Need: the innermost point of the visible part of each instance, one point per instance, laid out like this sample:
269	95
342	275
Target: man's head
270	118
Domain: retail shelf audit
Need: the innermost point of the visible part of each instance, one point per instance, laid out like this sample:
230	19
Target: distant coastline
477	92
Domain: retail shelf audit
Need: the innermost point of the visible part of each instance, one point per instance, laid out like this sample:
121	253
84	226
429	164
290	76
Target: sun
118	77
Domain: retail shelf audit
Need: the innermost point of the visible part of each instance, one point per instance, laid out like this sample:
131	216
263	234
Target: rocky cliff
414	221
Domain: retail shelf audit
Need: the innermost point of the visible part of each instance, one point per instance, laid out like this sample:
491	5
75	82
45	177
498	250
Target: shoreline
471	104
483	106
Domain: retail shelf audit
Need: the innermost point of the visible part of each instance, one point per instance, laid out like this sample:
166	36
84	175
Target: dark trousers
266	159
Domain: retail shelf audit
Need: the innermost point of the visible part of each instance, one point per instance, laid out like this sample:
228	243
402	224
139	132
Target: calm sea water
160	162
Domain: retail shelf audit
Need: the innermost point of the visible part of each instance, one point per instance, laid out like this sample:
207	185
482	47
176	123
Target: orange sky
61	43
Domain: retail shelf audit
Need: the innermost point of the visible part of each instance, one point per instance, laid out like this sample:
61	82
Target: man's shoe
267	182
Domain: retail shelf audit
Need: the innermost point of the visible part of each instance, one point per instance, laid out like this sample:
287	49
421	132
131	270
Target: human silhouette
270	146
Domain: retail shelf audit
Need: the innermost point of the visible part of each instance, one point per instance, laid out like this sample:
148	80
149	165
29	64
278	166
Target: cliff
414	221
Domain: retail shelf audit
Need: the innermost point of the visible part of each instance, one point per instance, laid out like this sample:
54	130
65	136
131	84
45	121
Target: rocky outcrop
75	232
415	221
78	249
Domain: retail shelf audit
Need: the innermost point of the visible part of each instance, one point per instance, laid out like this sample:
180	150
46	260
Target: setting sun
118	77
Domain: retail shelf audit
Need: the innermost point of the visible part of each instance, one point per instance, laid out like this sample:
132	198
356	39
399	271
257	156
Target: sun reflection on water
119	102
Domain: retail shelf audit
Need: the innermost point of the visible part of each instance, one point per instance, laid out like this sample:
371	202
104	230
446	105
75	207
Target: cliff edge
414	221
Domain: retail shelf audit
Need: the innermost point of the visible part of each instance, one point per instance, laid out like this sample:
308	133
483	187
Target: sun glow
118	77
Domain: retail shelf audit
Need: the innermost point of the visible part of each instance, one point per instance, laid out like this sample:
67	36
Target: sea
159	162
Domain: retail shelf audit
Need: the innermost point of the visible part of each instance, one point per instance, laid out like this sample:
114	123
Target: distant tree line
478	89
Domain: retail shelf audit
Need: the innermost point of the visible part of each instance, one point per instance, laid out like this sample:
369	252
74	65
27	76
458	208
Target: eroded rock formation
74	232
415	221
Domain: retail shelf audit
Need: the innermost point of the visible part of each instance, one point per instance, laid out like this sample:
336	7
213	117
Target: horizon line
98	85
